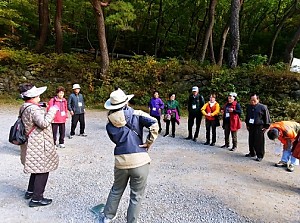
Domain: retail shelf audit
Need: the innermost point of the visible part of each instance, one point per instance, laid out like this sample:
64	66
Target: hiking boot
225	146
83	134
61	146
43	202
249	155
166	134
212	144
233	149
71	136
259	159
291	167
28	195
195	139
206	143
188	138
281	164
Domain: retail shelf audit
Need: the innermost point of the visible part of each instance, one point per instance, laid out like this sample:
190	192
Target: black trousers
211	124
158	121
191	121
173	121
75	119
37	184
61	127
256	141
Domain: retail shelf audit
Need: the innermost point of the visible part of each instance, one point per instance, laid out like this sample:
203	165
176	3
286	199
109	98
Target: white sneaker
107	220
61	146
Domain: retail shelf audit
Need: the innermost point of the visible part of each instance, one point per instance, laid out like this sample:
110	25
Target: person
211	110
76	106
257	122
125	129
285	132
156	106
59	122
195	103
231	112
172	110
38	154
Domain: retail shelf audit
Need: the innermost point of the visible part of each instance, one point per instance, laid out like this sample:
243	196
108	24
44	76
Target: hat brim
109	106
34	92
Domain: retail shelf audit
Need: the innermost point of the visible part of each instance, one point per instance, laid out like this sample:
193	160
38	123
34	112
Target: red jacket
61	115
235	121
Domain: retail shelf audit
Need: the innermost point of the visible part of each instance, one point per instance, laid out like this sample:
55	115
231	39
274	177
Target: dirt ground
258	190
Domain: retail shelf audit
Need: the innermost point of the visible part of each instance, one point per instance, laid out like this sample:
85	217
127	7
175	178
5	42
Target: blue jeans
138	179
287	156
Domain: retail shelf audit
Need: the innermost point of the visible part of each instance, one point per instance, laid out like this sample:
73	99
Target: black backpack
17	135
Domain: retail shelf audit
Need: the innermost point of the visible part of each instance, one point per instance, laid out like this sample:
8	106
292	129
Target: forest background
145	45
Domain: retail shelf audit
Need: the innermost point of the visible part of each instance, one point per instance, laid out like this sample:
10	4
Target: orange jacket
214	111
288	131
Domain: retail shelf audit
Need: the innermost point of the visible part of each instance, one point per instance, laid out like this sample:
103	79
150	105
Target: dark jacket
76	103
259	113
125	129
195	104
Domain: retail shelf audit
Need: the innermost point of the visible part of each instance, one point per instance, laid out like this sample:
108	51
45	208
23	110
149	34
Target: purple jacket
154	105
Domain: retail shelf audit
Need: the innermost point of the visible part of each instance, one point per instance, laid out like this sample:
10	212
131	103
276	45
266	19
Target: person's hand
145	145
72	113
264	130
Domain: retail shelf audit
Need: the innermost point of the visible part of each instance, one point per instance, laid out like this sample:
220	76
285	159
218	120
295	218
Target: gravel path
188	182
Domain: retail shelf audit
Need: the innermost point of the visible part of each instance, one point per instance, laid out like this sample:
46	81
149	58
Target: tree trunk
58	29
234	33
288	55
288	13
157	28
101	37
211	47
44	25
223	41
208	32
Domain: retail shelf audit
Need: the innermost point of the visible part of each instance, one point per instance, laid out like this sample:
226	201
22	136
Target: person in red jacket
231	120
59	122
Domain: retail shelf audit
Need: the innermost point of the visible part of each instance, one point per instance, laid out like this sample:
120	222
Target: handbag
167	117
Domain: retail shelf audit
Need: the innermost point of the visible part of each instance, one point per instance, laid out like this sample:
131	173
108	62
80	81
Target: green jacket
172	105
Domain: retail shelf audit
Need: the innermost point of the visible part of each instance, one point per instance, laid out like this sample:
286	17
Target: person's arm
238	109
203	109
151	124
267	119
178	107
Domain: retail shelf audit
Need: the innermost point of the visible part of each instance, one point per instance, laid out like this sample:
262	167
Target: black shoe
173	135
39	203
206	143
258	159
166	134
28	195
225	146
188	138
233	149
249	155
212	144
195	139
159	131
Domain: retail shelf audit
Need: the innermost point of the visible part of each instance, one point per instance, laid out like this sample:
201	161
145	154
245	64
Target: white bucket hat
195	88
117	99
76	86
34	92
233	94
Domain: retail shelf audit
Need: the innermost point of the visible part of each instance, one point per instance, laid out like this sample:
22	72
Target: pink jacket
61	115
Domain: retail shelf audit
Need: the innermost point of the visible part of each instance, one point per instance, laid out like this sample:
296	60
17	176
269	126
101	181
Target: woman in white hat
125	129
38	154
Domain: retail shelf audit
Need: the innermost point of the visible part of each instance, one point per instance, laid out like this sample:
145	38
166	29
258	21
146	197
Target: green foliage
121	14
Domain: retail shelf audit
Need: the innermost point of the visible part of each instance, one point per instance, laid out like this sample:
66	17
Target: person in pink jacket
59	122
